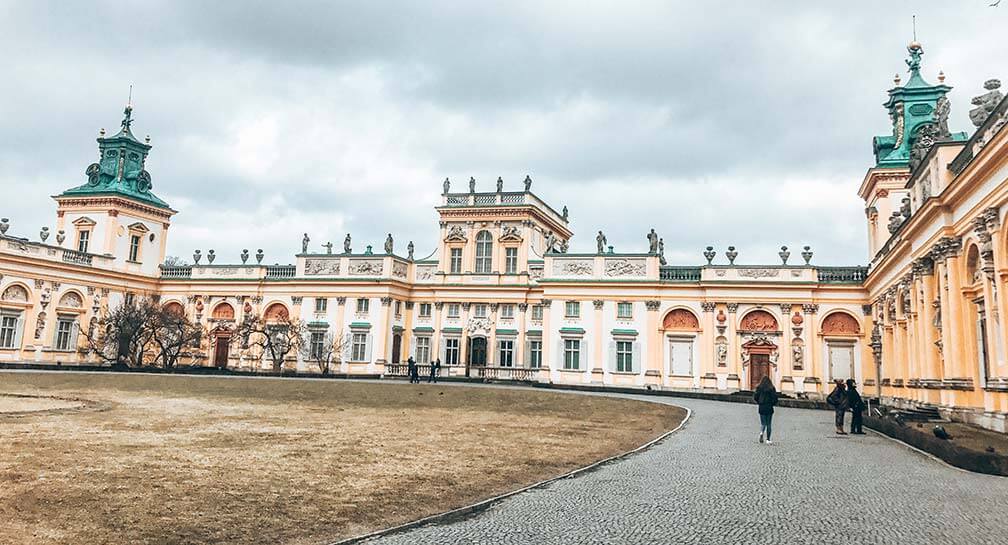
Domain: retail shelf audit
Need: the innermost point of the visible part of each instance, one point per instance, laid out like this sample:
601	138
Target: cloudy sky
745	123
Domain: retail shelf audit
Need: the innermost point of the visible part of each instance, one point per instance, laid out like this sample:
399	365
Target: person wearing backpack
765	397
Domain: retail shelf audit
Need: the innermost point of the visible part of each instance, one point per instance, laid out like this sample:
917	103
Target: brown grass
174	459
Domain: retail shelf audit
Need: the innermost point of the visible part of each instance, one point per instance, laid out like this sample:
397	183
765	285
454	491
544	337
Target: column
785	359
814	347
600	367
464	341
382	337
734	349
548	338
341	335
708	364
491	357
654	374
436	336
521	353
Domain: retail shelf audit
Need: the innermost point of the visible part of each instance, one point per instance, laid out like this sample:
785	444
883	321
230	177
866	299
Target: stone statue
927	136
447	186
661	251
986	102
941	115
722	354
500	184
565	212
409	251
328	247
550	242
388	244
601	241
346	244
472	184
652	238
304	244
797	355
528	182
563	246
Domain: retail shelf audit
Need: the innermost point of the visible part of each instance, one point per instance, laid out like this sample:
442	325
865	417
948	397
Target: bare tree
121	336
174	261
275	339
171	335
324	349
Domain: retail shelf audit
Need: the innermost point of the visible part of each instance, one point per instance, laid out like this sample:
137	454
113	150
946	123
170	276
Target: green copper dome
120	170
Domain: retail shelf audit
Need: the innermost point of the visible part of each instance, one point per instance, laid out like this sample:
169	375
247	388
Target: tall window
453	310
573	309
624	356
425	310
451	354
480	311
507	311
624	310
130	299
320	304
362	305
423	349
317	343
484	247
398	308
358	347
82	241
8	330
506	353
134	247
510	260
572	353
64	333
535	354
456	260
537	312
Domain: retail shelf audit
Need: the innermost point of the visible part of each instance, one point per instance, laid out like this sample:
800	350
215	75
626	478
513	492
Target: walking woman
766	397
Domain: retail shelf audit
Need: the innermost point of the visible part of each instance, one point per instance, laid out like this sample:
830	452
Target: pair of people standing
843	398
414	370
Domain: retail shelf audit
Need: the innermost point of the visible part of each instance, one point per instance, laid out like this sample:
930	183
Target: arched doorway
477	351
759	351
222	347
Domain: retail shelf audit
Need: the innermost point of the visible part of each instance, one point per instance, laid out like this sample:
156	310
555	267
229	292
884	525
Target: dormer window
83	238
134	248
85	226
137	231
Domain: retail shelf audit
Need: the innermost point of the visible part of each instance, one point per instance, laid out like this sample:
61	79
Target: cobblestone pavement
713	483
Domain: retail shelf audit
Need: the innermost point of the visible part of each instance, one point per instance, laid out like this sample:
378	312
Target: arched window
484	249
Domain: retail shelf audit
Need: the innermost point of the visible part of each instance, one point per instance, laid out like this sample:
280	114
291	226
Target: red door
759	367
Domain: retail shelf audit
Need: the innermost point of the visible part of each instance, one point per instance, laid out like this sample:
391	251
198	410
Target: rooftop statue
388	244
304	244
346	244
986	102
528	182
447	186
601	241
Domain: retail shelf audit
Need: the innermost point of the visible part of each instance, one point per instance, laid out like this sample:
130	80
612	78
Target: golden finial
941	76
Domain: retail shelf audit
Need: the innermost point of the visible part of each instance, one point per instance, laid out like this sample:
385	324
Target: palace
501	298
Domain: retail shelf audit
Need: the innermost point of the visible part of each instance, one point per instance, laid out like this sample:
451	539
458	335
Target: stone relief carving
314	267
399	270
478	325
759	320
986	102
15	293
625	267
225	271
370	267
456	233
758	273
72	300
509	233
39	325
722	352
581	267
424	273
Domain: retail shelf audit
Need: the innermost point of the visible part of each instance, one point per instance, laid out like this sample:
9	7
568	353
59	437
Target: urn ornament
60	237
721	316
807	254
784	254
4	225
210	256
196	256
710	254
797	319
44	234
247	308
259	255
244	256
731	254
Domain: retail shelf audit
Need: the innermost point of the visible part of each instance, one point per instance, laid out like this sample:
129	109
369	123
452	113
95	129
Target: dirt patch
28	404
221	460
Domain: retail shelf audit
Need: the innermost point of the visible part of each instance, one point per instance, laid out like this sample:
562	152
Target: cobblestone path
713	483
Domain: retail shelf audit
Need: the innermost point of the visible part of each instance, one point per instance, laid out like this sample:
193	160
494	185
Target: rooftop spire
128	112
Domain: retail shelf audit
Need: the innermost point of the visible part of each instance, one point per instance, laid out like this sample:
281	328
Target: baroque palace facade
501	298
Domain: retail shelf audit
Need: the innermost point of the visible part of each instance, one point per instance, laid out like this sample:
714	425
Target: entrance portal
396	347
221	348
759	367
477	351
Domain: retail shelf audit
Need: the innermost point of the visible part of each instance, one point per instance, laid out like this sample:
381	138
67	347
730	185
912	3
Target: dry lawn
176	459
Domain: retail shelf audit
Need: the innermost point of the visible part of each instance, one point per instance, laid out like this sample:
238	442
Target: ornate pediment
510	234
456	233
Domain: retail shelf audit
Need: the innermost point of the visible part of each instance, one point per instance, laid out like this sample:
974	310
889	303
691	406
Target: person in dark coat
838	400
435	366
856	405
766	397
411	367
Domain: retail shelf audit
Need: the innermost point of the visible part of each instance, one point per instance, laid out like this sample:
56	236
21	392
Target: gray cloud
716	122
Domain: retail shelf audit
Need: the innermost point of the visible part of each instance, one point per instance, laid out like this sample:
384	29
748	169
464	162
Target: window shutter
637	364
559	358
74	329
611	364
442	350
367	347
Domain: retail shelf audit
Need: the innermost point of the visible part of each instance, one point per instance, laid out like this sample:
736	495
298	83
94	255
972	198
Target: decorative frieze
708	306
598	303
369	267
625	268
652	305
810	308
758	273
732	307
322	266
296	300
386	301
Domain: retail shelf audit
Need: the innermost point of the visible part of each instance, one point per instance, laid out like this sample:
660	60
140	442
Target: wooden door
477	351
396	347
221	351
759	367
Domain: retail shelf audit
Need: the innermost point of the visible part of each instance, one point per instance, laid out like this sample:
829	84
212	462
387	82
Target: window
8	330
572	353
425	310
317	343
422	349
83	238
573	309
362	305
624	310
456	261
358	346
453	310
398	308
510	260
134	247
535	354
320	304
484	247
537	312
64	333
624	356
506	353
480	311
507	311
130	299
451	354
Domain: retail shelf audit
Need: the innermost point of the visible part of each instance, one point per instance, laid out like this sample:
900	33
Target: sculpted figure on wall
759	320
840	323
680	318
